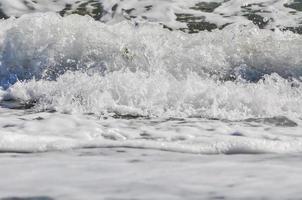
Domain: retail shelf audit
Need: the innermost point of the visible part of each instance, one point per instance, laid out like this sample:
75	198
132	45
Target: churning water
202	77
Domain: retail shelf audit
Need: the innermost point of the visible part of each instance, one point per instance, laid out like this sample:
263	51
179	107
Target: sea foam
83	80
77	64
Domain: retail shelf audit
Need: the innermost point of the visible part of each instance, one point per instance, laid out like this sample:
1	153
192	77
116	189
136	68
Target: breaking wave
76	64
132	82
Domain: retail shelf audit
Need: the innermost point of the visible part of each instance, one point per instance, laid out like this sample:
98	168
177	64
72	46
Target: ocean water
114	94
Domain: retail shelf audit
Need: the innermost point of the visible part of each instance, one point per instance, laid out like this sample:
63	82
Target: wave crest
80	65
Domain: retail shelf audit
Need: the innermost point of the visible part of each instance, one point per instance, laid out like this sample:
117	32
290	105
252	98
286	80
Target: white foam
76	65
148	71
164	11
40	132
18	8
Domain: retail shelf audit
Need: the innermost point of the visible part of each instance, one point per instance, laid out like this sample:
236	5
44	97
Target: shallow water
47	131
122	173
190	16
209	90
